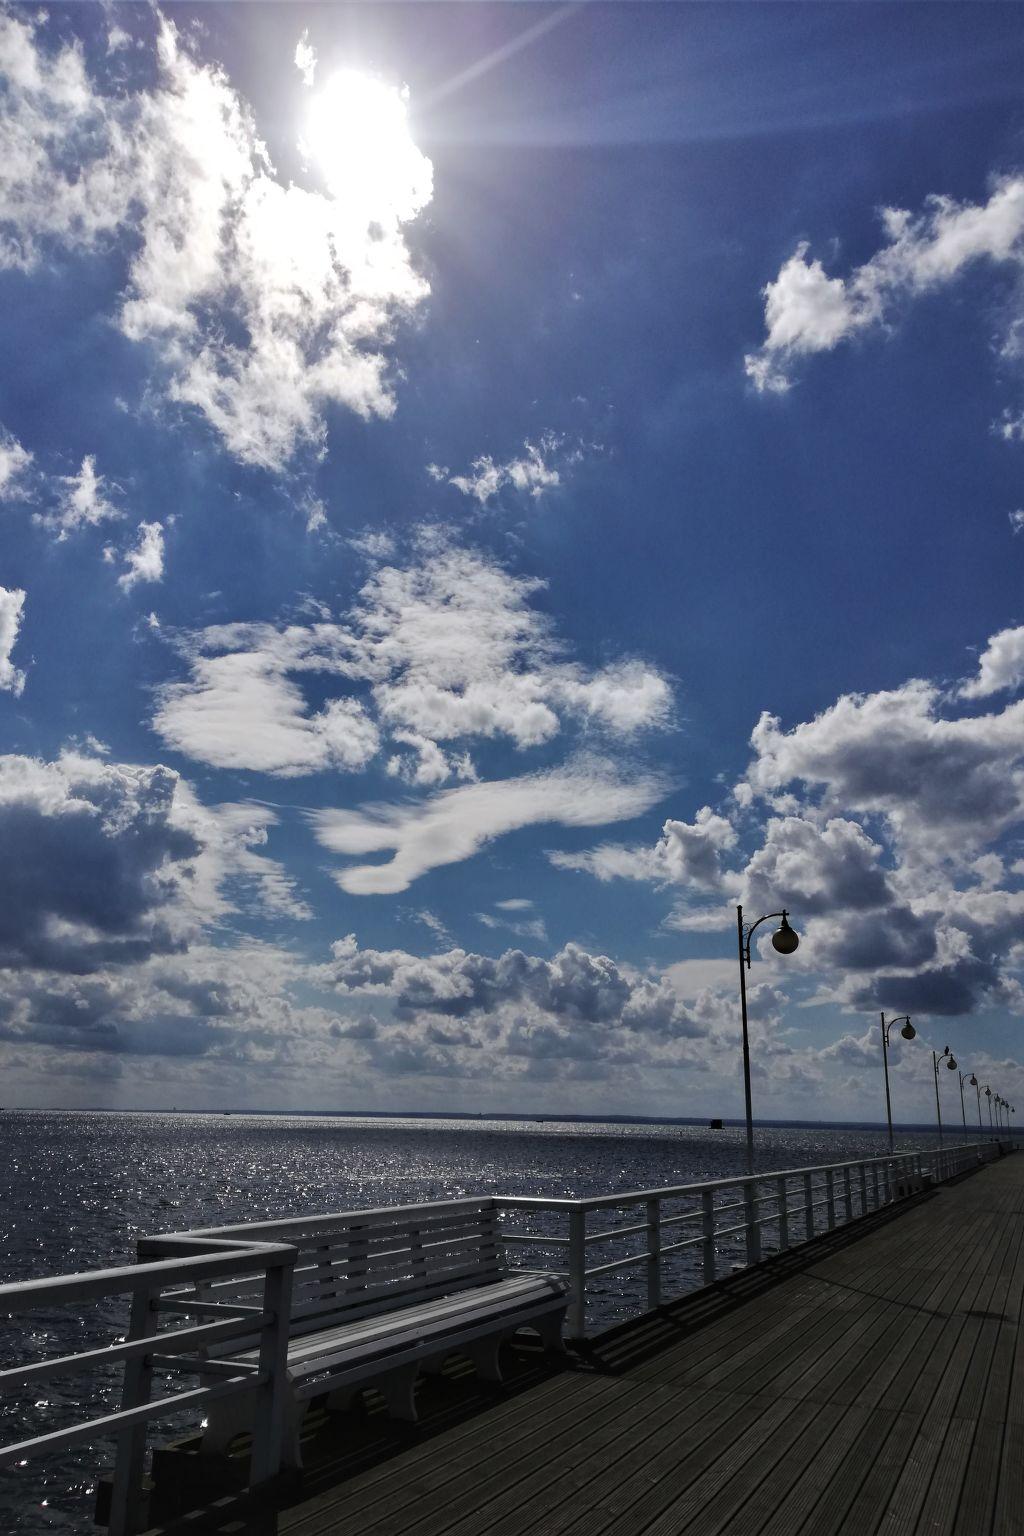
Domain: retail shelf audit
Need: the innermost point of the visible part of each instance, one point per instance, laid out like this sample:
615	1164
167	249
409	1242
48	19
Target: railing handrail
680	1191
320	1219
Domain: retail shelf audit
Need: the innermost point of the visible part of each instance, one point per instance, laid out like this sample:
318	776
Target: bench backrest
357	1263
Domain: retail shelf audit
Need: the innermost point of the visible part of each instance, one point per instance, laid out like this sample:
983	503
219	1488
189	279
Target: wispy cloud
456	823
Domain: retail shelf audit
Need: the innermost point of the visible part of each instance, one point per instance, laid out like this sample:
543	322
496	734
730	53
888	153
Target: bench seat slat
443	1336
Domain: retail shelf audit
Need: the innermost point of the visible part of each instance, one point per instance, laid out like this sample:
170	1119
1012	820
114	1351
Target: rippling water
77	1188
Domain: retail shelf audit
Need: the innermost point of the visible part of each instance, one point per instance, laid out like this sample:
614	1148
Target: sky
485	489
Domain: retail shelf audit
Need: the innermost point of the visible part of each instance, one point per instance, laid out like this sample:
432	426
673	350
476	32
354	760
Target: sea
77	1188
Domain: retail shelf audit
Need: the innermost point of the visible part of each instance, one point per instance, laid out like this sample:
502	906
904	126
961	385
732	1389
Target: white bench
379	1295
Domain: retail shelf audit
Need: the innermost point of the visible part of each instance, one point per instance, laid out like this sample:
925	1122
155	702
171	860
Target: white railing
173	1286
688	1235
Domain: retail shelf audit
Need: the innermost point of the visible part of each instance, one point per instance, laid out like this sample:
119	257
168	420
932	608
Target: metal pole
977	1089
938	1107
746	1045
888	1101
963	1112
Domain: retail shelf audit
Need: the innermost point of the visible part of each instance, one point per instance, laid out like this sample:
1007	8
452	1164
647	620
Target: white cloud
808	312
588	998
533	928
82	501
1017	520
447	649
305	58
533	472
457	823
312	282
146	561
14	461
12	607
688	854
944	786
241	709
1000	666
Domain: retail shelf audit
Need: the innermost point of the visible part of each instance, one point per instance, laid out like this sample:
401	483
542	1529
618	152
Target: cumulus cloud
146	561
109	863
12	608
14	462
807	311
535	470
432	656
687	853
573	1003
1000	666
264	301
456	823
944	786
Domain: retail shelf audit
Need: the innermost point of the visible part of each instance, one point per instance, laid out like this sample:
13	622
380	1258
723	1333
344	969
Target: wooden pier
870	1381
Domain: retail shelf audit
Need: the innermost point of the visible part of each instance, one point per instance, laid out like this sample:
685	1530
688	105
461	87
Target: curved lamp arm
748	930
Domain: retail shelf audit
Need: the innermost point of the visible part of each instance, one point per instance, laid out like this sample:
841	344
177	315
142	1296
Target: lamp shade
951	1063
785	939
974	1081
908	1031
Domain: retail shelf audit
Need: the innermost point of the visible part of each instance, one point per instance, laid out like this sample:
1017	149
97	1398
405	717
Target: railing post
126	1513
272	1396
577	1314
707	1201
783	1215
863	1189
808	1207
753	1232
848	1194
654	1255
830	1197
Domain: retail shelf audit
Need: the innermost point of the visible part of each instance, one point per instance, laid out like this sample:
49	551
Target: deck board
871	1384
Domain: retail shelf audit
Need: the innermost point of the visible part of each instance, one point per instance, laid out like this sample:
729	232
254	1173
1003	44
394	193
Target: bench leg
228	1418
399	1391
485	1355
342	1398
549	1329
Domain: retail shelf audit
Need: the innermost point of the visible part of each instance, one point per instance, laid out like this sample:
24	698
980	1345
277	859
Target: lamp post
988	1096
964	1079
785	940
908	1032
950	1061
977	1088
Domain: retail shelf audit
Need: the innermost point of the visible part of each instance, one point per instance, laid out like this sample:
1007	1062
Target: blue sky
486	488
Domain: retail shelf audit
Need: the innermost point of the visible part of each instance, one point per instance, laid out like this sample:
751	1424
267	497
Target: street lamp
977	1088
908	1032
988	1095
950	1060
785	940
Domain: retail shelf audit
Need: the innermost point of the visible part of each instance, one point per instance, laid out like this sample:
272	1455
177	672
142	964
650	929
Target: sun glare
357	134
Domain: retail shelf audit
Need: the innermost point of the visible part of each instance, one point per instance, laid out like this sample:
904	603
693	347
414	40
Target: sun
357	135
